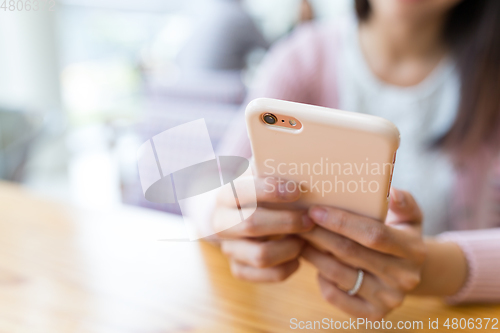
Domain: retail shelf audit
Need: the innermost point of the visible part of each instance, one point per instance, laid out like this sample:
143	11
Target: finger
269	274
263	222
344	277
363	230
263	254
352	305
356	255
403	208
334	271
267	189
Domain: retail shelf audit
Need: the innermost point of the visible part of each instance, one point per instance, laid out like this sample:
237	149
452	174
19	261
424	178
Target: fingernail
318	214
398	197
284	192
306	221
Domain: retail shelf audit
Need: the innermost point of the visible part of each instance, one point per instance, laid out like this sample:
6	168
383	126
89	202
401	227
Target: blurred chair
223	36
210	63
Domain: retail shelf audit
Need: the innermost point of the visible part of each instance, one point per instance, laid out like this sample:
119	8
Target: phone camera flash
293	122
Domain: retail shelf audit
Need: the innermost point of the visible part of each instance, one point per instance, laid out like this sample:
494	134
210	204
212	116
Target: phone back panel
341	159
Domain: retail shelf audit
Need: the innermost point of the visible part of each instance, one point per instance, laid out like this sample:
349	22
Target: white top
422	113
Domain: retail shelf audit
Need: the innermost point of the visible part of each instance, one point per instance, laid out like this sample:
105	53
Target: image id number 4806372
28	5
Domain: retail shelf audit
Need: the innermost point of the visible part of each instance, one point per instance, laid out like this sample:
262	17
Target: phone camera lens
270	119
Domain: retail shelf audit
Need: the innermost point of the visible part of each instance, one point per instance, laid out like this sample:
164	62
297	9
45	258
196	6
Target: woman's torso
422	113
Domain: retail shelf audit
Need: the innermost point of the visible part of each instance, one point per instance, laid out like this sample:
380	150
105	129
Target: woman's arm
445	269
475	205
481	250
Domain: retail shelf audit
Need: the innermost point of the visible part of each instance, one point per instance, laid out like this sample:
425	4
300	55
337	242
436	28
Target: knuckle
328	292
336	272
225	248
237	272
410	281
342	219
397	301
393	299
329	295
280	275
376	315
385	268
331	272
250	225
377	236
274	190
262	258
348	248
290	222
297	245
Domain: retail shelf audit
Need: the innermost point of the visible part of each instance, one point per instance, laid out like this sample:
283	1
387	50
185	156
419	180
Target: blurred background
83	85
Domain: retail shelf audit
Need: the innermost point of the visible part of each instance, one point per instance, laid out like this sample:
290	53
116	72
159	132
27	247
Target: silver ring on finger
357	284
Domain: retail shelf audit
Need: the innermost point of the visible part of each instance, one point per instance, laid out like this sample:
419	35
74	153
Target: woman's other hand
253	254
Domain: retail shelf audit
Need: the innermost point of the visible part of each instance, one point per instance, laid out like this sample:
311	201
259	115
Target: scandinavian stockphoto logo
179	166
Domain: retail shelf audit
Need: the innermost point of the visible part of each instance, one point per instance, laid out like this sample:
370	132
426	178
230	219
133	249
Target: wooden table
65	269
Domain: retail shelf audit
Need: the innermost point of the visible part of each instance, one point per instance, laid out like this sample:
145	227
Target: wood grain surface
68	269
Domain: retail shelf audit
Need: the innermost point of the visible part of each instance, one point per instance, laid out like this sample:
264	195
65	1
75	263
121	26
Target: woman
433	68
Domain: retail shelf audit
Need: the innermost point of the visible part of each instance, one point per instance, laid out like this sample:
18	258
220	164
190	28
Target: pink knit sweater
301	68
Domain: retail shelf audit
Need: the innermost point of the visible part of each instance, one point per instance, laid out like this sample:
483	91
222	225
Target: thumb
403	208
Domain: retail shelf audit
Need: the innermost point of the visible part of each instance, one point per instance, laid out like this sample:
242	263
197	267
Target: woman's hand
252	254
391	256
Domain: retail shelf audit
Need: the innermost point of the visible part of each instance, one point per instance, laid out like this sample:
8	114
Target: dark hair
472	32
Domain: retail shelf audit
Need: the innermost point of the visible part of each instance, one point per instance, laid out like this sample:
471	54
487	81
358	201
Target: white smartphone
337	158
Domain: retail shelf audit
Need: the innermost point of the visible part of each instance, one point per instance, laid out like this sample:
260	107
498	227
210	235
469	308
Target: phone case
341	159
